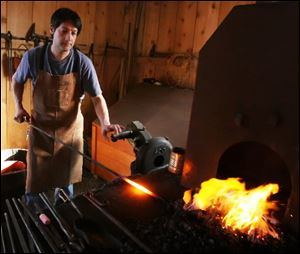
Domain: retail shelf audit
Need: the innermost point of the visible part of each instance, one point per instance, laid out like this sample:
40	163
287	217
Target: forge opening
257	165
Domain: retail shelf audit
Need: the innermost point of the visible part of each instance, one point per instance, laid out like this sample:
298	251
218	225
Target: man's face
64	36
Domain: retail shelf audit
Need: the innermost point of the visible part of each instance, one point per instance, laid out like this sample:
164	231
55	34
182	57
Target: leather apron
56	110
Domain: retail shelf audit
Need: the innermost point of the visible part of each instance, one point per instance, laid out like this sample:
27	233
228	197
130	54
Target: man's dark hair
64	14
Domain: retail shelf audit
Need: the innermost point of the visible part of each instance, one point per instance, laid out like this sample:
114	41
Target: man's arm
103	116
18	90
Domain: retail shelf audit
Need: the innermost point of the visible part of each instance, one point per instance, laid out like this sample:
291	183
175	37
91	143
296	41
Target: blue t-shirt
76	61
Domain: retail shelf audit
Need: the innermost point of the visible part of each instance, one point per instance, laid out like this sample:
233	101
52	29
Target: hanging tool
36	38
8	45
8	37
154	53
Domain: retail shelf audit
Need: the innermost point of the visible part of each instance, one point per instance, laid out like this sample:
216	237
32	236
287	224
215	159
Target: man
60	75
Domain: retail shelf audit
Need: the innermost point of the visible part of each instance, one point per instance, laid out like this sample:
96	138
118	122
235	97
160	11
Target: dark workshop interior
208	159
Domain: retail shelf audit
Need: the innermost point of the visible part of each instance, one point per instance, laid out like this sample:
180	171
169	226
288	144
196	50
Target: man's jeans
35	202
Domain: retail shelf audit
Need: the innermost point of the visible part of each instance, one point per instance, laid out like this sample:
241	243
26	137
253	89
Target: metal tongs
65	198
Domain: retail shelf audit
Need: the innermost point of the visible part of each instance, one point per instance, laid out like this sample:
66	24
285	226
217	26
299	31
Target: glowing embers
248	211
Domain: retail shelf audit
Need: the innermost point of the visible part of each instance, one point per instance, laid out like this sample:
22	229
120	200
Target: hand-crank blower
151	153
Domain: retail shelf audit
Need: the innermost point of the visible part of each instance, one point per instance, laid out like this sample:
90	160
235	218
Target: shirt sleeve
89	77
23	71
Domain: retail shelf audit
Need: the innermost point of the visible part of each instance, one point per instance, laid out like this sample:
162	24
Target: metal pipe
52	232
38	224
3	241
17	227
97	204
32	235
57	238
12	243
63	225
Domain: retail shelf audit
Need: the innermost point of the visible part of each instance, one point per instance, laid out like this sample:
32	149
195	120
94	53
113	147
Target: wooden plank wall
15	134
129	29
179	28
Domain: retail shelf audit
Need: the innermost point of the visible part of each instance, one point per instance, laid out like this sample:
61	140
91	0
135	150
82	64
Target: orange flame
241	209
140	187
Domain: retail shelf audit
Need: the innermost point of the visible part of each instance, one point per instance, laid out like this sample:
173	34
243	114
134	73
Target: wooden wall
180	29
129	29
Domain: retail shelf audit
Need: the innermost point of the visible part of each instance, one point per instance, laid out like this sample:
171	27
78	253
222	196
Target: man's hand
116	128
21	116
103	116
